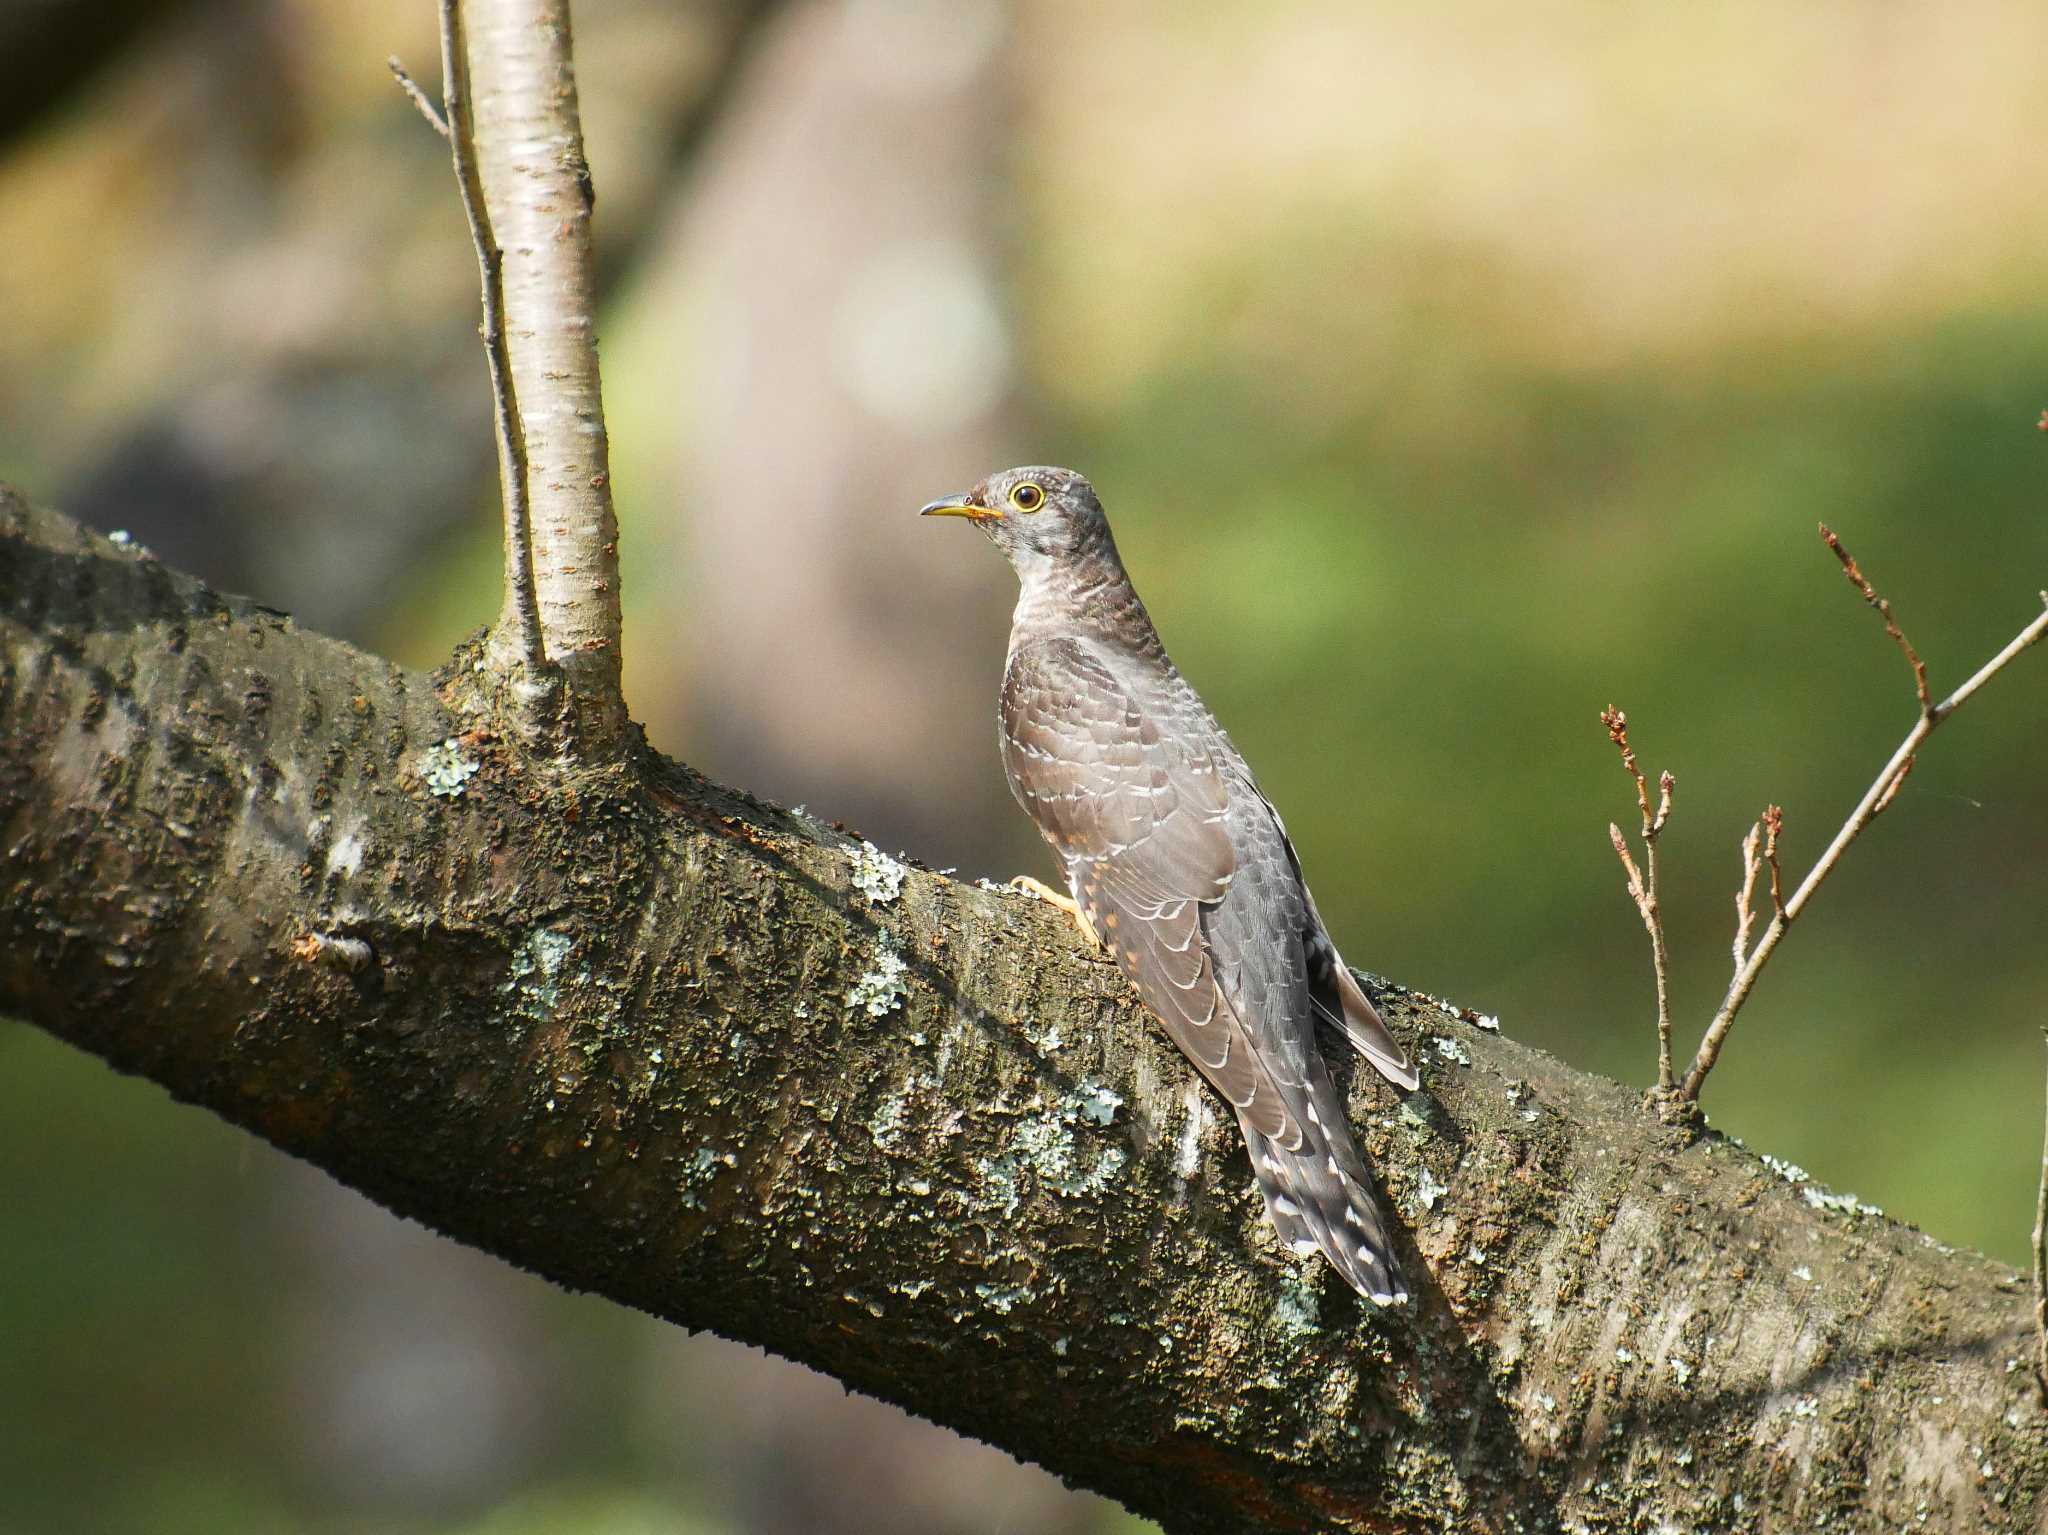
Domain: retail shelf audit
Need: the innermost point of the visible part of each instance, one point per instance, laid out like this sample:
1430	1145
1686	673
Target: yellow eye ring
1027	495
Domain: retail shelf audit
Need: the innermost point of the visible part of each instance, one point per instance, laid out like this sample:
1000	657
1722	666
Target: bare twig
520	617
1628	865
1874	799
519	620
1642	885
1764	831
419	97
1995	665
1774	827
1884	611
1891	791
2041	1264
1745	914
1617	732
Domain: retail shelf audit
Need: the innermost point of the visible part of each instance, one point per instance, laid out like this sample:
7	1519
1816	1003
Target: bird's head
1042	518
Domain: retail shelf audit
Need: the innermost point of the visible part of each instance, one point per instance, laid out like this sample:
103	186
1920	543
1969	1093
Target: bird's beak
960	506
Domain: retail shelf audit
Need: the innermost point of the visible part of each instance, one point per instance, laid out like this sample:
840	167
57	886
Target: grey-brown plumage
1180	864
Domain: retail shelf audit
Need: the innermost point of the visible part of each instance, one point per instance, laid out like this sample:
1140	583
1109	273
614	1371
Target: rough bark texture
651	1038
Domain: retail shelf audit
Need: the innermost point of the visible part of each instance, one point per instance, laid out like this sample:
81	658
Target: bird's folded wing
1362	1025
1339	997
1138	816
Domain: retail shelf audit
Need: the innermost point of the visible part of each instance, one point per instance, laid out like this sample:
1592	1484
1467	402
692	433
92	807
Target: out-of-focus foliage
1450	372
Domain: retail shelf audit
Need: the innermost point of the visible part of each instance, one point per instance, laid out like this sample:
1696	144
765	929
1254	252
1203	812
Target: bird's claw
1024	884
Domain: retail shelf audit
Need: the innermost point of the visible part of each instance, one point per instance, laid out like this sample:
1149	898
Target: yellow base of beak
957	506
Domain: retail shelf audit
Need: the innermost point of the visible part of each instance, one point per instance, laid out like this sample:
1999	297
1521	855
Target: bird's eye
1027	495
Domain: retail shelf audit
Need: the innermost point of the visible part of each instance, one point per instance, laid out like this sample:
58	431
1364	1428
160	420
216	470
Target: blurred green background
1449	374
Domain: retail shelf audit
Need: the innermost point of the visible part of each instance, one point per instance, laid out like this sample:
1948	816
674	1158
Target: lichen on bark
604	1030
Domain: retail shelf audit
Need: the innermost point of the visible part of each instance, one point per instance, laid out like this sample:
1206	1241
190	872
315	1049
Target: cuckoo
1179	866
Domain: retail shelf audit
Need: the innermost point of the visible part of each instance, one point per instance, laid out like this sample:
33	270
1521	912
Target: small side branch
1774	828
1884	611
1874	800
1642	884
1745	914
418	97
519	622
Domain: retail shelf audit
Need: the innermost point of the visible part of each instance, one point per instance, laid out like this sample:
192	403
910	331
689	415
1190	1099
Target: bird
1179	866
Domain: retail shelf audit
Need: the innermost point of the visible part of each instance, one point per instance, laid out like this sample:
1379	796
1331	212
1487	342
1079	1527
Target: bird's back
1155	817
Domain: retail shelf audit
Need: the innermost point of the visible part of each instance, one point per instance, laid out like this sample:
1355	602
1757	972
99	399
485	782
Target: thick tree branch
656	1040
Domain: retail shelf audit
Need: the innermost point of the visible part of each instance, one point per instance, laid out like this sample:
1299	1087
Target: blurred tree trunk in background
49	48
861	143
871	355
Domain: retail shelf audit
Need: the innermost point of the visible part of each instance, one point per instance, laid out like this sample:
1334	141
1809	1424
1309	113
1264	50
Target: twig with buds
1875	799
1749	962
1642	884
1884	611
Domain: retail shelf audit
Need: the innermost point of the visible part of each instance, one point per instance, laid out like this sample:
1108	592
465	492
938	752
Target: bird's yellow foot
1066	903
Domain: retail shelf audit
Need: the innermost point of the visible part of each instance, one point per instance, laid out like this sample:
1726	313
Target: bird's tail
1320	1200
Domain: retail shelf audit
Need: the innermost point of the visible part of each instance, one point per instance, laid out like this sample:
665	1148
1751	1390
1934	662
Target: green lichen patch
881	989
886	1122
1044	1149
876	875
444	770
534	977
1002	1299
1294	1310
1097	1102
